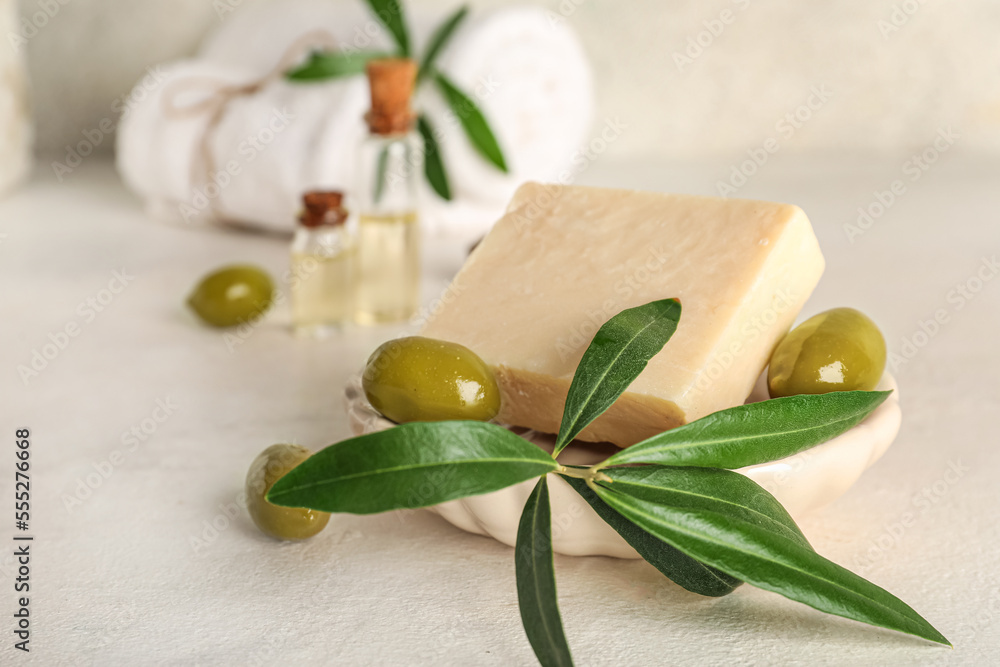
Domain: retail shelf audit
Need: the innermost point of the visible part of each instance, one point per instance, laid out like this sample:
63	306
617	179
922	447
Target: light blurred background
896	71
698	88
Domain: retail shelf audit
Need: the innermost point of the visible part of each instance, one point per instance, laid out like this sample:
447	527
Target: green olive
232	295
422	379
837	350
284	523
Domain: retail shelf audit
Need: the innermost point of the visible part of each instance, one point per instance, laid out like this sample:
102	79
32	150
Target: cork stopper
322	207
391	82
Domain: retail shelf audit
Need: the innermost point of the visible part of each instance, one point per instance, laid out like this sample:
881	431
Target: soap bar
565	259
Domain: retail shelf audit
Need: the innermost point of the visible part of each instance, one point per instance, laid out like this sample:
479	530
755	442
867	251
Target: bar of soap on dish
565	259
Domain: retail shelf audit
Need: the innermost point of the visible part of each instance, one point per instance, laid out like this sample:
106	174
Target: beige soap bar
565	259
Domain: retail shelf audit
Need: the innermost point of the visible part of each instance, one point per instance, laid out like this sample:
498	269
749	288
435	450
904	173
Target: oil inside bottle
322	291
388	268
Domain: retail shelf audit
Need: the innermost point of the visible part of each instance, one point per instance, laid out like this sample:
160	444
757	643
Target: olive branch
325	65
673	497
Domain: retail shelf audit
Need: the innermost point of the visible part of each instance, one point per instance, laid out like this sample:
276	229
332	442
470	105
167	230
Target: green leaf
390	14
674	564
380	166
755	433
433	164
536	580
473	122
768	559
619	352
708	489
330	65
438	41
412	465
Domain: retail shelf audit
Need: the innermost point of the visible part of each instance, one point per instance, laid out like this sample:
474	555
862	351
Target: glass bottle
323	267
390	165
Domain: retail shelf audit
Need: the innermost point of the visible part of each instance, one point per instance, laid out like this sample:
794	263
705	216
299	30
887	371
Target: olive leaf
331	65
411	465
755	433
434	169
473	122
711	490
760	555
676	565
390	14
618	353
536	581
440	37
381	165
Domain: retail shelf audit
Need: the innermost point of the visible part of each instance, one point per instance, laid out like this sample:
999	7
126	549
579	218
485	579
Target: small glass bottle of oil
390	166
323	267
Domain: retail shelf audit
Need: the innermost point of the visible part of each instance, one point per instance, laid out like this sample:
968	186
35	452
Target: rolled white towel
156	157
314	129
267	148
530	78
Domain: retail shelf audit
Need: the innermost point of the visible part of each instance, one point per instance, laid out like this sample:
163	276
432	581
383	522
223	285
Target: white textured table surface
131	571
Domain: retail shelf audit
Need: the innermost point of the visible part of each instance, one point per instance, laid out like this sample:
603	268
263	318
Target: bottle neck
326	240
389	171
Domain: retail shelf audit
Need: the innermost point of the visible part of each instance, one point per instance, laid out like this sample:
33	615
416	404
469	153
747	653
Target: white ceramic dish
802	483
